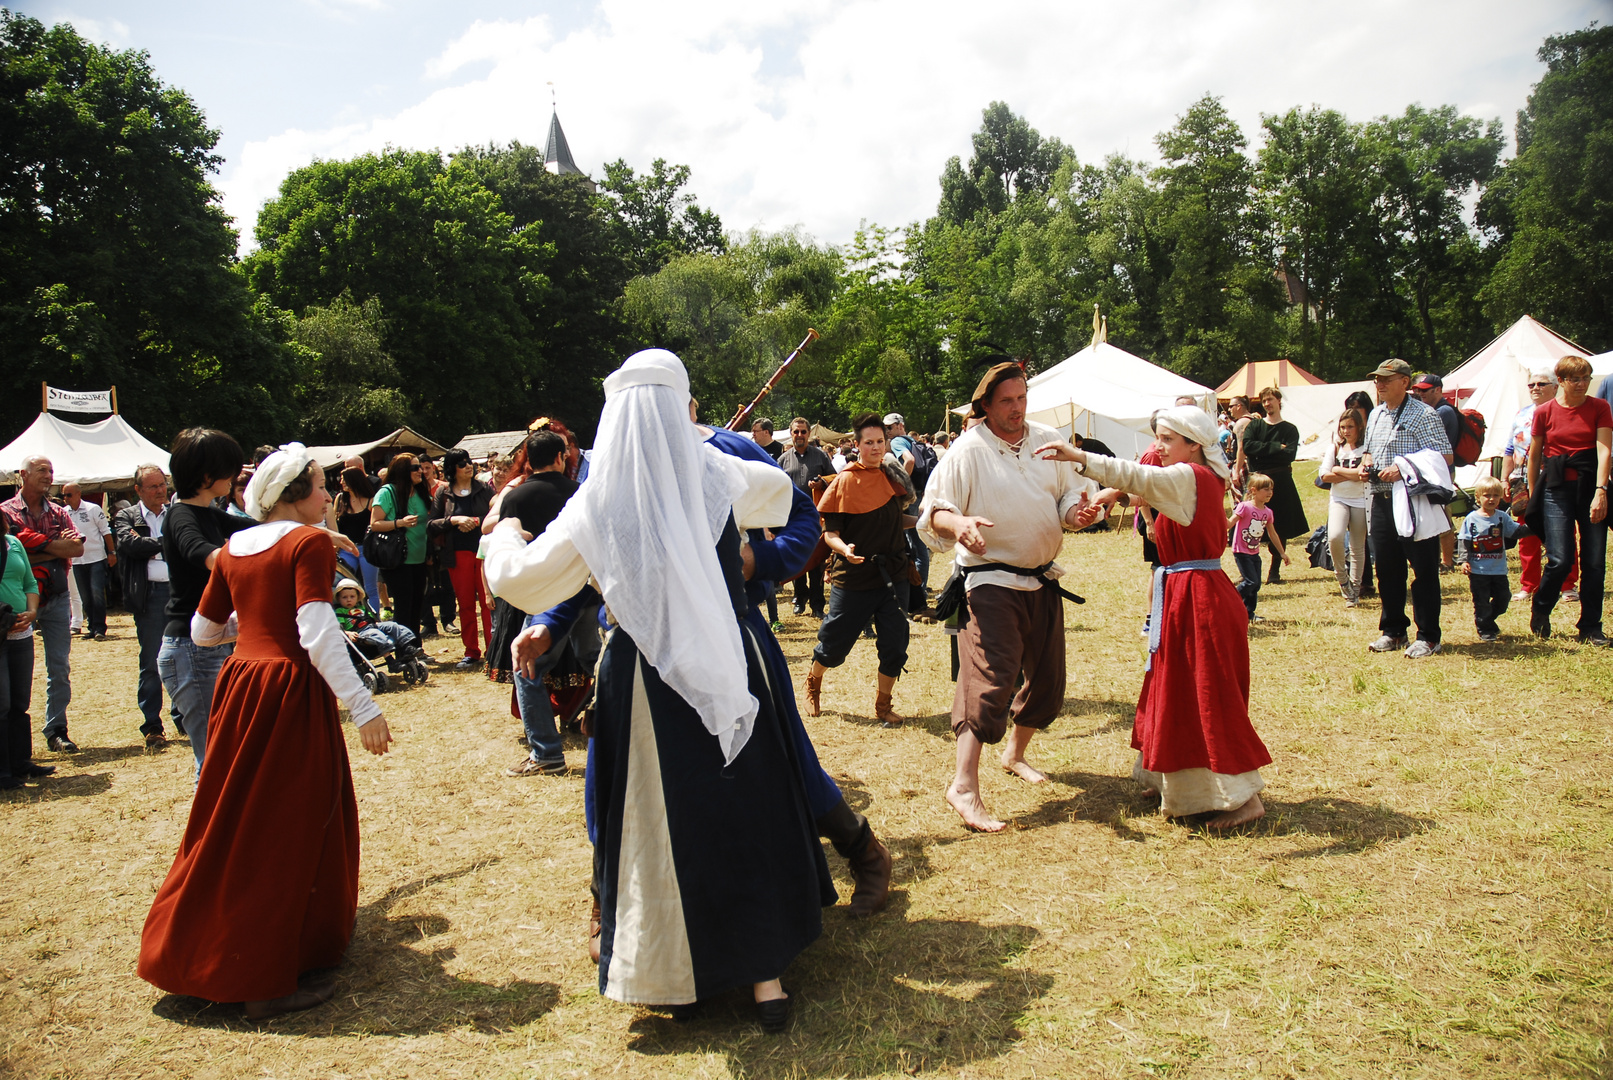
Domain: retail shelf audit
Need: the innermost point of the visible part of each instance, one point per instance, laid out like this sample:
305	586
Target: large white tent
1493	379
1315	409
1104	392
104	454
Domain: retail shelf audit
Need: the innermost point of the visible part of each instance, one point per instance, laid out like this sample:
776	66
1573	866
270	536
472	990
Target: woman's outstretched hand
851	555
1061	451
375	735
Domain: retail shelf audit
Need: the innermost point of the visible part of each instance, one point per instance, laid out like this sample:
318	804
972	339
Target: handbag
385	550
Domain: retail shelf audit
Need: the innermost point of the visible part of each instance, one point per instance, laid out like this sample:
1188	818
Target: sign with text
92	401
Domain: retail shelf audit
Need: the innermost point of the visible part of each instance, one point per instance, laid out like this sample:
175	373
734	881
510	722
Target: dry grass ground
1429	895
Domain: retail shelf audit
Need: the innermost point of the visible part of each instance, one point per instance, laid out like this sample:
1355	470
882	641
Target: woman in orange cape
868	569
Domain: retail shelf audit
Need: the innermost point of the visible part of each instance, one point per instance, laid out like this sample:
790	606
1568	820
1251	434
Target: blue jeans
384	637
16	692
148	628
360	568
921	559
1563	511
537	715
1249	586
91	580
54	629
189	672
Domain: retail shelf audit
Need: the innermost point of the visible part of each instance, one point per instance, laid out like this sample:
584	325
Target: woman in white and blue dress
712	877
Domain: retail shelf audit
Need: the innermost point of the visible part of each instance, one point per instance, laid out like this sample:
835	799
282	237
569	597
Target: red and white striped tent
1256	375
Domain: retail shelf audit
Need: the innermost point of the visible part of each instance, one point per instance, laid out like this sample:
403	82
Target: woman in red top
1195	745
265	885
1568	474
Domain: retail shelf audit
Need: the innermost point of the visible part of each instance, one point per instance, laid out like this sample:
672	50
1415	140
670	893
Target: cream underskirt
1198	791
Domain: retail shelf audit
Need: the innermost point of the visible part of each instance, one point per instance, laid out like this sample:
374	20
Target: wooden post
44	397
114	401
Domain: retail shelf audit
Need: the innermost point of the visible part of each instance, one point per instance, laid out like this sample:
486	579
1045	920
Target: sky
820	114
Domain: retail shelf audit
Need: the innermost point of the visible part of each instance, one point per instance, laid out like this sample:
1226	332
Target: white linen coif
647	522
271	477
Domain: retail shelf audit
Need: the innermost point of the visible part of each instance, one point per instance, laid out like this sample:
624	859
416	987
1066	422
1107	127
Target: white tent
402	439
1493	379
1106	393
99	455
1314	410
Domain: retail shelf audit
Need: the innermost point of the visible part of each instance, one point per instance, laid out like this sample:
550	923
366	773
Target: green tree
1218	300
657	218
1010	159
1314	178
733	317
1551	210
115	258
345	380
461	285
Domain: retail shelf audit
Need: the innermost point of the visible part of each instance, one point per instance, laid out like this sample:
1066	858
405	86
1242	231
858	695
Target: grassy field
1429	895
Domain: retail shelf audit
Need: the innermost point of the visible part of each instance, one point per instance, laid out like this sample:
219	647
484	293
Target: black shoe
34	772
1595	639
798	609
62	744
1540	627
775	1014
682	1014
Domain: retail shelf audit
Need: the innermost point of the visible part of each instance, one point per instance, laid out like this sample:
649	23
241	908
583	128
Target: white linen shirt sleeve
538	575
767	495
206	632
320	633
943	492
1172	490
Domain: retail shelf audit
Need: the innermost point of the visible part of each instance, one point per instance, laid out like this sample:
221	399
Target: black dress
712	876
1270	449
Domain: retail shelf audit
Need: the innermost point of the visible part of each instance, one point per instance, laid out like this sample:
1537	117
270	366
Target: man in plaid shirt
1400	425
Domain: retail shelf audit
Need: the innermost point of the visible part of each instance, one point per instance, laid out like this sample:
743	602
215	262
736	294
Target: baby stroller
369	651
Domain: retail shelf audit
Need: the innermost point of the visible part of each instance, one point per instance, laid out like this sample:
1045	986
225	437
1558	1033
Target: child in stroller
370	639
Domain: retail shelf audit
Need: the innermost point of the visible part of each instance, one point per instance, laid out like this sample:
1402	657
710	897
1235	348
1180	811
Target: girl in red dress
1195	745
265	886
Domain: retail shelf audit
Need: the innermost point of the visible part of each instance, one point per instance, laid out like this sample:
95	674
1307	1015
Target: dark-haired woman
863	528
204	464
457	514
264	889
404	502
350	516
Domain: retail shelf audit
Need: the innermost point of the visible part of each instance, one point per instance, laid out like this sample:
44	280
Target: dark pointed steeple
556	154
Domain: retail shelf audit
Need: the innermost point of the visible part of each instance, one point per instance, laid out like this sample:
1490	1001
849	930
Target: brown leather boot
814	691
882	703
871	873
594	931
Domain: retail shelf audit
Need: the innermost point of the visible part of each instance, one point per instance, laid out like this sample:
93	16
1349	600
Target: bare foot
1253	810
1023	769
973	811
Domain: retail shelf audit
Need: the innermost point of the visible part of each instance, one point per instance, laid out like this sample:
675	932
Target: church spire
556	154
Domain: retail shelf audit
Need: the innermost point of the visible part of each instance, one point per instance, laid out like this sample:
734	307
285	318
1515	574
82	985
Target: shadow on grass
1350	826
882	996
70	786
104	755
393	982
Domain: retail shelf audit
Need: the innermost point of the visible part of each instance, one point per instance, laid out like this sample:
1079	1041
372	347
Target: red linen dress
265	885
1193	712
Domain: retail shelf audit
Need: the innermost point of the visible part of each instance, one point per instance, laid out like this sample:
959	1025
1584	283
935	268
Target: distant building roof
556	154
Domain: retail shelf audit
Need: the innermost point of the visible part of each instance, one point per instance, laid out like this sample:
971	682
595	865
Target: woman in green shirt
404	503
20	591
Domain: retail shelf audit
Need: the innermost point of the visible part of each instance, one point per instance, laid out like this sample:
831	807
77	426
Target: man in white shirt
145	591
89	569
1006	510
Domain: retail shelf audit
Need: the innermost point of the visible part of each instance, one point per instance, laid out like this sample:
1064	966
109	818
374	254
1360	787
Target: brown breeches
1008	632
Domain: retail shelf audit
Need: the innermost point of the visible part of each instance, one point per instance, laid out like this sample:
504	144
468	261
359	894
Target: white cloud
101	31
823	115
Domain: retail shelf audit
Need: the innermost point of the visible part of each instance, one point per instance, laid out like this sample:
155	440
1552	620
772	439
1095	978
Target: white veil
647	522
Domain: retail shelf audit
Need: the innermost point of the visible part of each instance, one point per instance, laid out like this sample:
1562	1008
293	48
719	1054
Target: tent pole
114	401
44	397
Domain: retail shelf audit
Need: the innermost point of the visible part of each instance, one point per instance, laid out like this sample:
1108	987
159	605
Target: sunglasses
417	468
1538	385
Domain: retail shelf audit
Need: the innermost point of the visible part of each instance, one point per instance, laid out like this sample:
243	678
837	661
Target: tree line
463	292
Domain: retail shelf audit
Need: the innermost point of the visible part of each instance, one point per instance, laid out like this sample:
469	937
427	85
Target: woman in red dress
1195	745
265	886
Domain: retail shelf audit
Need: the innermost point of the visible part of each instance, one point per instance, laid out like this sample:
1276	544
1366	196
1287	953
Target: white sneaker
1420	649
1571	596
1522	594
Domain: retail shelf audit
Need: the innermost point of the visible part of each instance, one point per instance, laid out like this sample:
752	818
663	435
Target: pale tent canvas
103	454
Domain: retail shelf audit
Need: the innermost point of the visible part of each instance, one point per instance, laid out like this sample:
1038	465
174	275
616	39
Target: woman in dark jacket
457	514
1268	446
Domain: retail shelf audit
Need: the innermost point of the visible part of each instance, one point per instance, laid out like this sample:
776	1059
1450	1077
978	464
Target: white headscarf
647	522
270	479
1194	424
